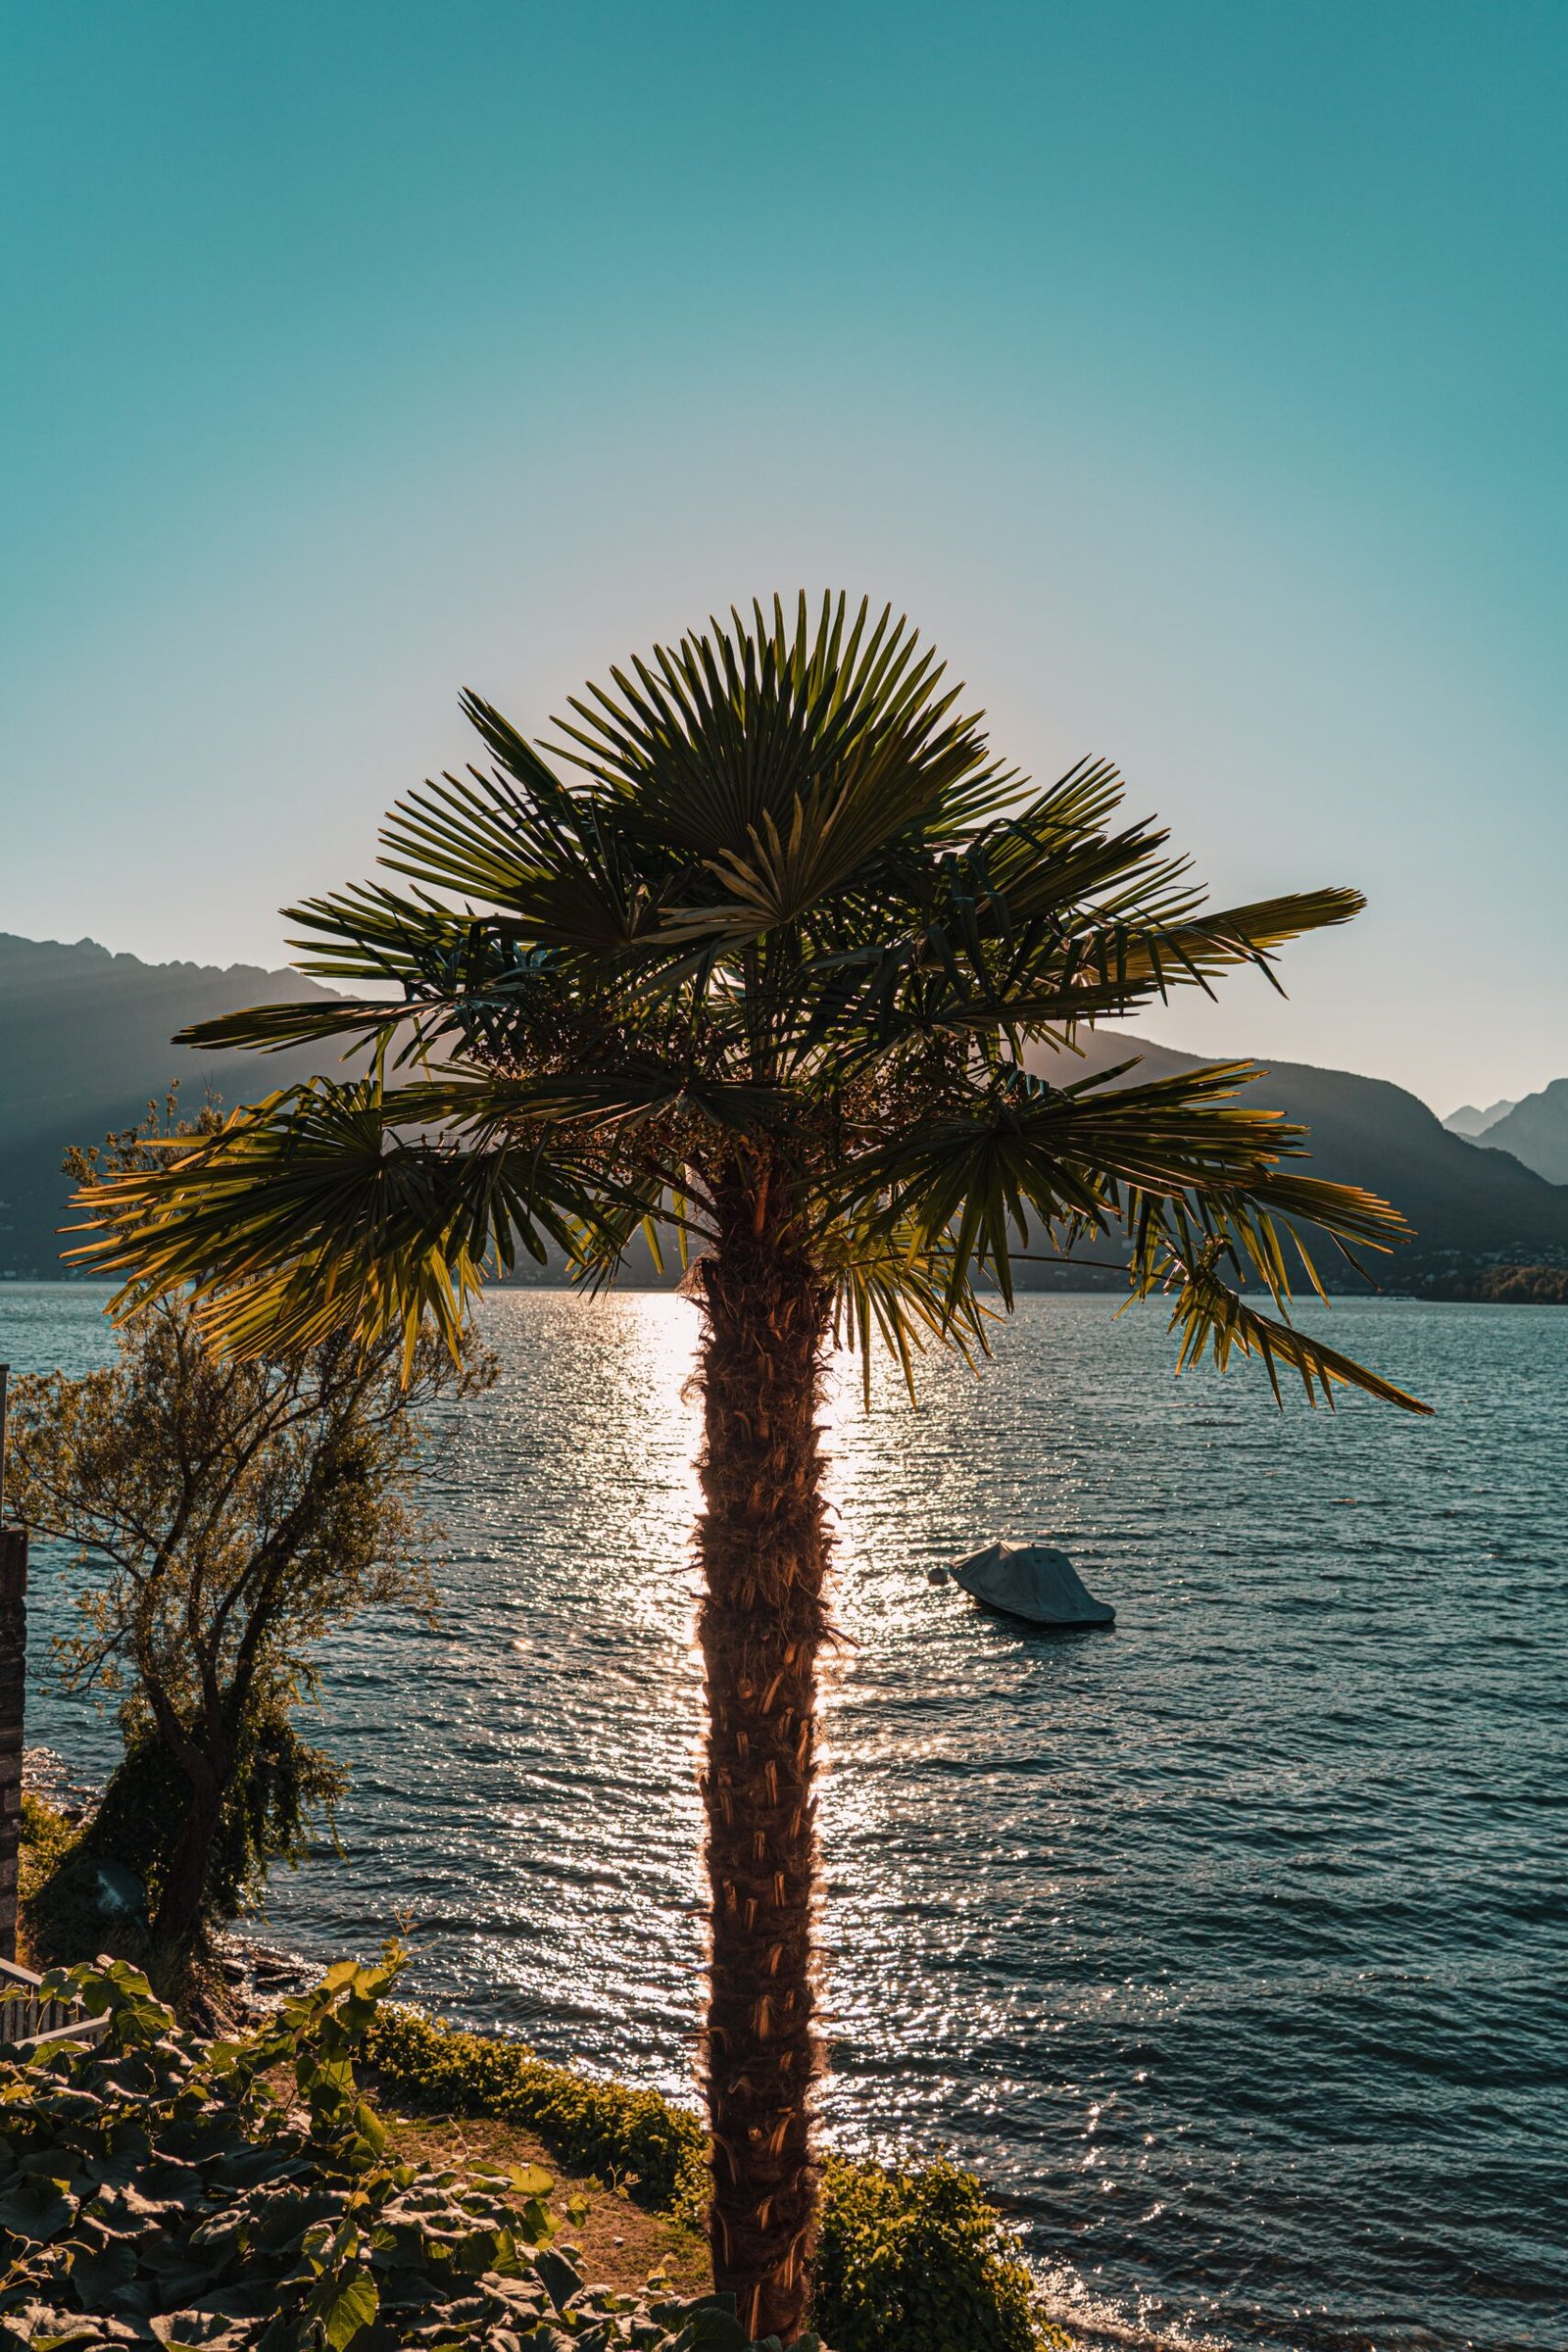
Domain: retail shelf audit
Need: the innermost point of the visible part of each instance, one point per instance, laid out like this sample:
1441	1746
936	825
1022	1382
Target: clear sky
1192	371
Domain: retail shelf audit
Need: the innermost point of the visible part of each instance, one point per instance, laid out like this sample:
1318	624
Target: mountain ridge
1536	1131
85	1042
1469	1204
1472	1123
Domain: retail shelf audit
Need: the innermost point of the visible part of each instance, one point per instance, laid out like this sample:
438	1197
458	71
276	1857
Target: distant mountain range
84	1044
1469	1121
1534	1130
1471	1205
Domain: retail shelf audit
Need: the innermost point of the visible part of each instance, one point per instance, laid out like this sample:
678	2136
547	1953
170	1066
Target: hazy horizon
1195	377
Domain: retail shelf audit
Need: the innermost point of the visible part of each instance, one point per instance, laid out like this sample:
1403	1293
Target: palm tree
751	959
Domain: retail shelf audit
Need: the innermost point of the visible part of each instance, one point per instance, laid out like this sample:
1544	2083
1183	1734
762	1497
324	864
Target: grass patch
623	2244
913	2259
631	2140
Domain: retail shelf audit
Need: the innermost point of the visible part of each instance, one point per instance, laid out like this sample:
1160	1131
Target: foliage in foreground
916	2259
905	2261
159	2189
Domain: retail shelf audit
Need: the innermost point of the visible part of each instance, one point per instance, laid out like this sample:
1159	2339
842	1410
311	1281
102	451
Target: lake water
1230	1945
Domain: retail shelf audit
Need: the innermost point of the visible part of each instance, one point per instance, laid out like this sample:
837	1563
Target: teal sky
1193	372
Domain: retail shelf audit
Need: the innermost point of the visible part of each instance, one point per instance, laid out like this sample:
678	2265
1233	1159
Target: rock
1032	1582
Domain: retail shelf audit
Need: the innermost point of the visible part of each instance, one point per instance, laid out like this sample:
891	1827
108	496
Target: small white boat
1032	1582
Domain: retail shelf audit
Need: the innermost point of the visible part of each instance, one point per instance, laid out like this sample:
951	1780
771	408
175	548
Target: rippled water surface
1231	1945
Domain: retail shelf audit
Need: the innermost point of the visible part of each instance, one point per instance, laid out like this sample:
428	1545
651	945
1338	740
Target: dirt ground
622	2244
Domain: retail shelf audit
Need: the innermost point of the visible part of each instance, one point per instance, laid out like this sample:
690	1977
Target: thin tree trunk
764	1550
181	1903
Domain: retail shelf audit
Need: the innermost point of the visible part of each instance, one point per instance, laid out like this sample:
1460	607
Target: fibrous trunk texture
764	1550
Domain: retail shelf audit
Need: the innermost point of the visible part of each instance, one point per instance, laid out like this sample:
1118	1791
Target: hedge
632	2137
917	2260
912	2261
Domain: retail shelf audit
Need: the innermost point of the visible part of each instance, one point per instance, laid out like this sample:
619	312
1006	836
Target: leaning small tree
229	1514
754	959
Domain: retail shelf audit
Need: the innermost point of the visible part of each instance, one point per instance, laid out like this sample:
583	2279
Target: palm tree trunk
764	1550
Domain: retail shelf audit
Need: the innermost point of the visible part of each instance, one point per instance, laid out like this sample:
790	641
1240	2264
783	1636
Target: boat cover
1031	1580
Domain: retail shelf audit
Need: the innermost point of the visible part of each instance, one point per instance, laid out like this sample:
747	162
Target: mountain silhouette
86	1043
1470	1204
1468	1120
1536	1131
84	1046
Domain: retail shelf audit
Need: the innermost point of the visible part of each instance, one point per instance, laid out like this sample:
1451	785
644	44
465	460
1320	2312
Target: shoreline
261	1975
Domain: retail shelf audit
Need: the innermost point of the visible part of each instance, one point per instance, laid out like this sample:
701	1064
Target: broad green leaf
530	2181
349	2309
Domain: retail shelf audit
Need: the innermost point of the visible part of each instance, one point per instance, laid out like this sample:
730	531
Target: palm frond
302	1022
1215	1321
893	1288
1193	951
769	901
629	1091
372	933
547	861
312	1213
722	739
1076	1162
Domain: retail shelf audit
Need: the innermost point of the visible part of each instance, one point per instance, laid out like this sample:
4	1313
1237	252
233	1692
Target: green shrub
46	1837
633	2137
280	1793
918	2261
906	2262
156	2187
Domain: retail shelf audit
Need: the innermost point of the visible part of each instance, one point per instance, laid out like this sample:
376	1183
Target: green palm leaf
1215	1321
770	912
313	1213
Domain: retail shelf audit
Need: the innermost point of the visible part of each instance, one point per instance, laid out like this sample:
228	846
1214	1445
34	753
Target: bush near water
909	2261
633	2139
916	2259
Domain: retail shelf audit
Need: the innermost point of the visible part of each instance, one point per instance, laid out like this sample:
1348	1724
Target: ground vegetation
240	2196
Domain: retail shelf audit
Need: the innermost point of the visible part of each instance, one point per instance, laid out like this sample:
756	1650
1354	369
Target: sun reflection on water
1223	1942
